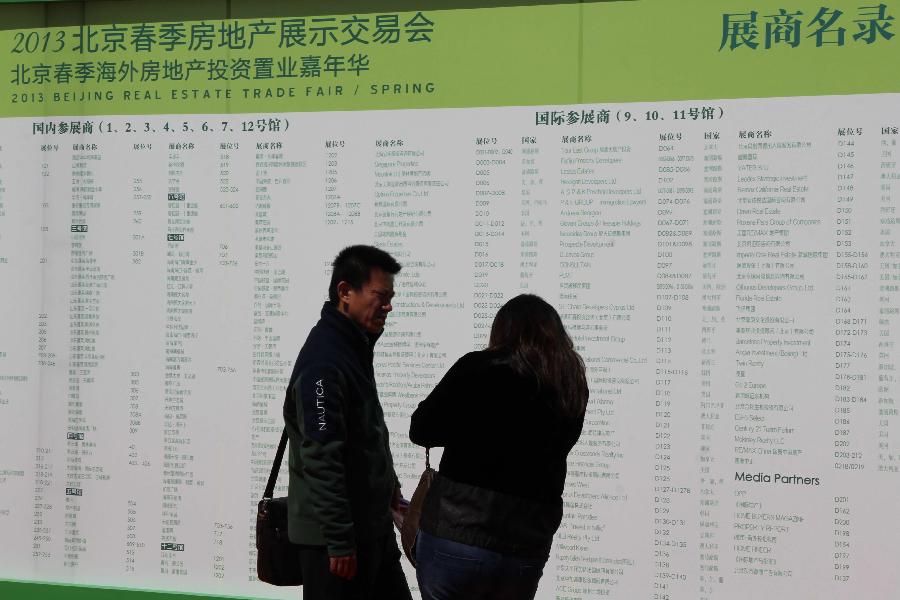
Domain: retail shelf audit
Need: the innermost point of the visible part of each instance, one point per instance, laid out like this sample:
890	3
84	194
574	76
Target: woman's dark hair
531	331
354	265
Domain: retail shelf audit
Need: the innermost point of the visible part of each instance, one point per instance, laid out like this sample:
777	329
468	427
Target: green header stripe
556	54
18	590
670	50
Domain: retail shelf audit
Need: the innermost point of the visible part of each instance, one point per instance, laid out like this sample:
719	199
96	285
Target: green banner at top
642	50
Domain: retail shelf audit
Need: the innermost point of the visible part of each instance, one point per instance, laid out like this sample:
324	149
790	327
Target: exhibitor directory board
708	193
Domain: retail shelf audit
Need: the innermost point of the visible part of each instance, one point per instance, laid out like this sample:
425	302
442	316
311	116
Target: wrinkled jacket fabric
341	471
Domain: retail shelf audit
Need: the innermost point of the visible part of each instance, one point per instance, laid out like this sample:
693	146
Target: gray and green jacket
341	471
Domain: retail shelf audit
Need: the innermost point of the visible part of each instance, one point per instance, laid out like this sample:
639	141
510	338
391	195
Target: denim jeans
448	570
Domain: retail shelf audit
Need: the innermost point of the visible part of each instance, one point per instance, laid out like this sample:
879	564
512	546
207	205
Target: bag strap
276	466
427	458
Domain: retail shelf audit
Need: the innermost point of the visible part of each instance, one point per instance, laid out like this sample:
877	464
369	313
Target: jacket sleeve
572	431
436	420
320	399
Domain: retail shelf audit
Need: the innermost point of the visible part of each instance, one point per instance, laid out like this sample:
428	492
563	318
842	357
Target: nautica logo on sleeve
320	406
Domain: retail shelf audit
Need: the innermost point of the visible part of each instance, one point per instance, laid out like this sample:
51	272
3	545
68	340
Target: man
342	482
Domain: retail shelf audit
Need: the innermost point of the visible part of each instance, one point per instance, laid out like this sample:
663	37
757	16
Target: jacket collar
359	339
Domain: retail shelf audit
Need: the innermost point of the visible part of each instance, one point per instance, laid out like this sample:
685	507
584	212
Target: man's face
370	305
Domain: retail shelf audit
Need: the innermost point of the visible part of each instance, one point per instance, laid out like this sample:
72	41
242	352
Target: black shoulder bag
277	559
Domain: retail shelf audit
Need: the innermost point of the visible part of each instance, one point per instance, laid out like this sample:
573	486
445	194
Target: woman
507	418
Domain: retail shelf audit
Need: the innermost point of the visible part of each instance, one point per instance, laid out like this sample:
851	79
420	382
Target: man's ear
343	293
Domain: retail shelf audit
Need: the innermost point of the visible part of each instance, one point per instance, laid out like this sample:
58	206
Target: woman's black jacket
504	463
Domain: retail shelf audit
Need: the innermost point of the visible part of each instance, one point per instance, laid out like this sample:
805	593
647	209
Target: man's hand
343	566
398	502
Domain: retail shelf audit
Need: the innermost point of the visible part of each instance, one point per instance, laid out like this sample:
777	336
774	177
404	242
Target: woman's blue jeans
448	570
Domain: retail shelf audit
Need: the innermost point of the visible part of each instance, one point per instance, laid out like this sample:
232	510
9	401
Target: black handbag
410	527
277	559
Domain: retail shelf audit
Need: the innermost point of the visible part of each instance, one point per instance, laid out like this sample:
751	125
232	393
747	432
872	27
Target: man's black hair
354	265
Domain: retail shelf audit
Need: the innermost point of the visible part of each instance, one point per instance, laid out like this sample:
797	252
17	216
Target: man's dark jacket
341	472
